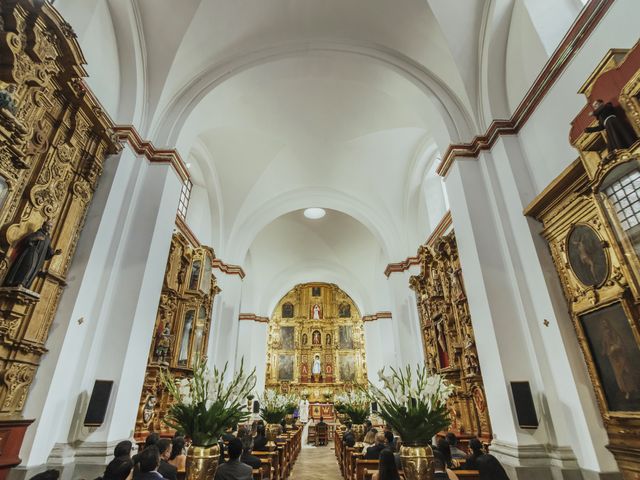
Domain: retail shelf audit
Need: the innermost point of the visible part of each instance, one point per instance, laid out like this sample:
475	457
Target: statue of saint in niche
328	339
316	368
33	250
619	134
316	338
305	339
317	314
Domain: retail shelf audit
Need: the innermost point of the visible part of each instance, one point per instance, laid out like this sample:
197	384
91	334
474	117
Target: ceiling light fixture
314	213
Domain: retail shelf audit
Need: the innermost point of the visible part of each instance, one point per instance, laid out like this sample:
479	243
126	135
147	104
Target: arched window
620	192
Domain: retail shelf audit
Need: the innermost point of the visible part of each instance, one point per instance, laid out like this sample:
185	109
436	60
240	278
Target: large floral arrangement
274	406
414	403
353	404
206	405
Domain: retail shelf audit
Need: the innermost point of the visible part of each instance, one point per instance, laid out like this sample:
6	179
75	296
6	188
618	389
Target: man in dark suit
260	441
148	460
349	438
373	452
234	469
247	457
165	469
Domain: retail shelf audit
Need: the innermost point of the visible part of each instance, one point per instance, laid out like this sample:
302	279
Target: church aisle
316	463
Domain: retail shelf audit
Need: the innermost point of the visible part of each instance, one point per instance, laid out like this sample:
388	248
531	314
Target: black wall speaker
98	403
256	406
525	409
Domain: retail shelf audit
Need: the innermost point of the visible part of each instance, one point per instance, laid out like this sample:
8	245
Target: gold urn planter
417	462
272	430
202	462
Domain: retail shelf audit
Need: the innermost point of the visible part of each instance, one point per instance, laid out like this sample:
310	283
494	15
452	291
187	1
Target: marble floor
316	463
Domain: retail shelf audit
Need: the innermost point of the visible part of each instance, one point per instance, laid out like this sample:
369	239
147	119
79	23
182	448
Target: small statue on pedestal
33	250
619	134
6	99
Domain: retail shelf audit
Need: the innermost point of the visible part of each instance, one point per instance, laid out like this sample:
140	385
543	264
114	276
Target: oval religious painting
587	256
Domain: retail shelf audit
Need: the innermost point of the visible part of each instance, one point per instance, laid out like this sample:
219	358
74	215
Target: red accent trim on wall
129	134
253	317
376	316
441	228
228	268
588	19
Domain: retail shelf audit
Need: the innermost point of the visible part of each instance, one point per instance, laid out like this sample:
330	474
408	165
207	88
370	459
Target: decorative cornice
443	225
129	134
588	19
228	268
187	232
441	228
376	316
405	264
253	317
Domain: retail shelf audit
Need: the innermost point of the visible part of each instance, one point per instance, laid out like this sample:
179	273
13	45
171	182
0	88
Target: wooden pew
363	465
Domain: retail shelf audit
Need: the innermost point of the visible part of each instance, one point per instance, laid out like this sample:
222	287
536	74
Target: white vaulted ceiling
280	105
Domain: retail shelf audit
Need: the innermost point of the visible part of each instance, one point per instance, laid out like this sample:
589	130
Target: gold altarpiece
591	221
316	343
447	334
181	333
54	138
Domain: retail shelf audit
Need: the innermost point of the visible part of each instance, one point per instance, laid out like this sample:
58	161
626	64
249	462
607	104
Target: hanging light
314	213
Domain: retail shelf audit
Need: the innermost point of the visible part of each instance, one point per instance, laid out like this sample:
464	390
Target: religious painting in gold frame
586	255
610	346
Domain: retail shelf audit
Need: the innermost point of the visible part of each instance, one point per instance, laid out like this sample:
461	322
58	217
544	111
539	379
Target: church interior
304	205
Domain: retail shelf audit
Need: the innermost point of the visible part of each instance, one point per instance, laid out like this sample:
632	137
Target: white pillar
252	346
406	321
223	342
104	325
510	296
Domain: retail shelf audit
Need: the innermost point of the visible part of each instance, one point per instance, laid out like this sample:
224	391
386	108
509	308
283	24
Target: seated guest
490	468
120	468
283	424
234	469
373	452
178	458
391	441
456	453
148	462
444	448
387	469
368	441
349	438
367	426
472	460
247	457
165	469
151	439
322	428
46	475
440	471
438	455
123	449
260	440
229	434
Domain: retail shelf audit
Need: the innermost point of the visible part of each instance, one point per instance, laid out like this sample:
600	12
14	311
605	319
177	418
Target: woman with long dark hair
387	469
178	458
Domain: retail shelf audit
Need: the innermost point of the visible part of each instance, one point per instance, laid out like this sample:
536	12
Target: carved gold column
447	334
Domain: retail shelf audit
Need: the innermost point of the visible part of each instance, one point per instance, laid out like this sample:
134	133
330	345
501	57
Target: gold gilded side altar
316	343
181	332
590	216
